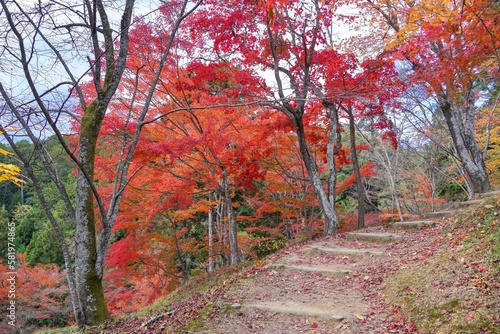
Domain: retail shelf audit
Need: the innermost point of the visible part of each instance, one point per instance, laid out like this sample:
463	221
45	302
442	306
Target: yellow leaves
4	152
488	134
9	172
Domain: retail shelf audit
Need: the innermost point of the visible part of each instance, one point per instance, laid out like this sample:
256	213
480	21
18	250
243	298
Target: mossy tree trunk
88	282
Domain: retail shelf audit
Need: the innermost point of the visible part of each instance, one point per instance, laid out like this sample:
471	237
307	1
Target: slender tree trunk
433	193
210	240
180	257
288	229
233	227
359	182
329	214
220	228
333	146
488	127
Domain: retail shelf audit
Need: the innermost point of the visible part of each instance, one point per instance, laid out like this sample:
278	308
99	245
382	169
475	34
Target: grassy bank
456	291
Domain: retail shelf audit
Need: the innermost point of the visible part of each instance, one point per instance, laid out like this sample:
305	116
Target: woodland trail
331	285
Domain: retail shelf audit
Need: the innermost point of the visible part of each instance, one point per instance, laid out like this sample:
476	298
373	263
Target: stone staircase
373	237
458	207
305	285
272	294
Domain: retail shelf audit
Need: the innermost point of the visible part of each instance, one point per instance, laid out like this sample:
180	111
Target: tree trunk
182	260
333	146
88	282
360	189
462	134
327	207
210	240
233	227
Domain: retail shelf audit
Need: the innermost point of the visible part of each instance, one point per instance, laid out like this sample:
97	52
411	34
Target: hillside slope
433	279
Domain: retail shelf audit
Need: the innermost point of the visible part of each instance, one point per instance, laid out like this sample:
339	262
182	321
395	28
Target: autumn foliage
40	296
254	99
214	152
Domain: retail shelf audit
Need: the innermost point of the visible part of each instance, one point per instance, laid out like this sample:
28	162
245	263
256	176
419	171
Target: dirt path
331	285
337	285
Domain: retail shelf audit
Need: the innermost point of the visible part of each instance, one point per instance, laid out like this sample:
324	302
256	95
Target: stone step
417	224
488	194
466	204
331	269
374	237
346	251
440	214
300	309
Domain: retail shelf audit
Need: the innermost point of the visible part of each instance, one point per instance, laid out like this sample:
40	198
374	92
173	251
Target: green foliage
4	229
344	172
451	191
268	246
34	234
346	204
44	248
25	219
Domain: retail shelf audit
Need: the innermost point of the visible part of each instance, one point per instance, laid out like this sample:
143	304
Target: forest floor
436	278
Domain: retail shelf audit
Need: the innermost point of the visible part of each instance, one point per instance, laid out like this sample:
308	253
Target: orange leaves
9	172
488	136
366	170
41	291
140	271
442	41
270	10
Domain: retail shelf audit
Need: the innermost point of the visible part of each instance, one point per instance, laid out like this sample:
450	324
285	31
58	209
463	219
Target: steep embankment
432	276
